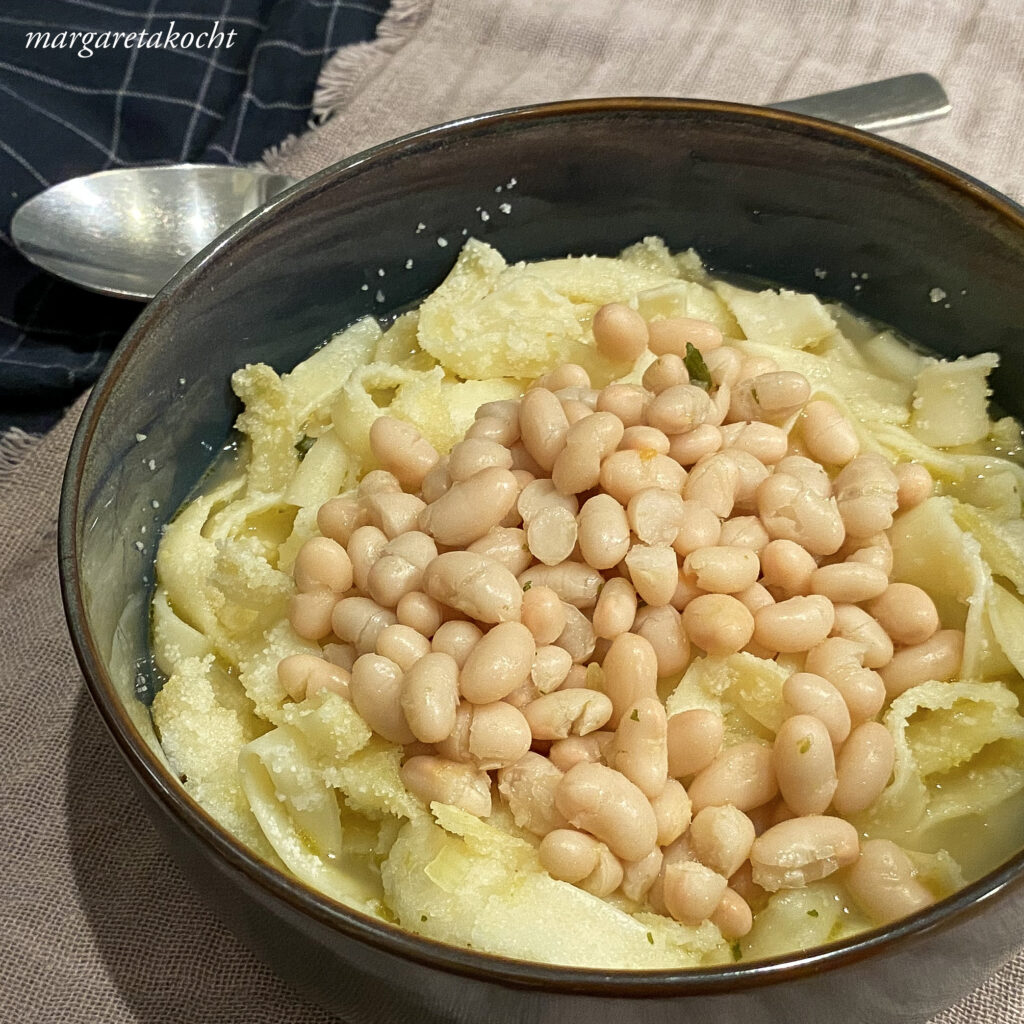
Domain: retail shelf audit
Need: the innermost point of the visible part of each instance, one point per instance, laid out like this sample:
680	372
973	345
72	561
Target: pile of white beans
505	613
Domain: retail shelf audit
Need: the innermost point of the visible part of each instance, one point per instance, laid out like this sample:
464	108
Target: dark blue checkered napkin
64	112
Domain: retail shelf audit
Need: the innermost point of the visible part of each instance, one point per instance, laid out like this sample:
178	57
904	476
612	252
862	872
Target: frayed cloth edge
348	71
15	446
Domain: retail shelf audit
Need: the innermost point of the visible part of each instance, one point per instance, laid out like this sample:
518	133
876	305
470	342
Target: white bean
606	804
799	851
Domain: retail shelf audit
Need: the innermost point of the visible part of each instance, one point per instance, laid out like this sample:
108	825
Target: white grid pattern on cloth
61	115
186	142
133	56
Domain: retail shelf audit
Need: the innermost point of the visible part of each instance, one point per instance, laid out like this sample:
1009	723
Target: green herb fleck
696	367
527	585
423	917
805	745
304	445
634	715
812	913
650	938
737	951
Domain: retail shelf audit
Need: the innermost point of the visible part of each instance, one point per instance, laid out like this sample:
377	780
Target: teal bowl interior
760	193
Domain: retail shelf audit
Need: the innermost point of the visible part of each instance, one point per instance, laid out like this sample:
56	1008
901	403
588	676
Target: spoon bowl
126	232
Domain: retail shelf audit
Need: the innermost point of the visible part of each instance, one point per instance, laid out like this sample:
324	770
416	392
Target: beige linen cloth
95	922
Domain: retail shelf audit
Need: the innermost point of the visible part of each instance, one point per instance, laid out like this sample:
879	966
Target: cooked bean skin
605	803
805	765
796	852
620	332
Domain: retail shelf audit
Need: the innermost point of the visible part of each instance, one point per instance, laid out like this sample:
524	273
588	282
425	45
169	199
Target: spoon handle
877	106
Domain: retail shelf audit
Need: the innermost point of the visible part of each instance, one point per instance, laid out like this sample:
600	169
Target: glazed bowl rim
170	796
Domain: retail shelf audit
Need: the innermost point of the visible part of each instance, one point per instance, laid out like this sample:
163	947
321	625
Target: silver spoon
126	232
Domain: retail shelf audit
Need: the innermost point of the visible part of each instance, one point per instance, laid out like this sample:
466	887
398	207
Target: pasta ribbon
959	756
780	319
932	551
744	689
459	879
299	815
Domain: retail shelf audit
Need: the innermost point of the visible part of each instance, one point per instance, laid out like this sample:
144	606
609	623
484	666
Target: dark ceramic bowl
757	192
